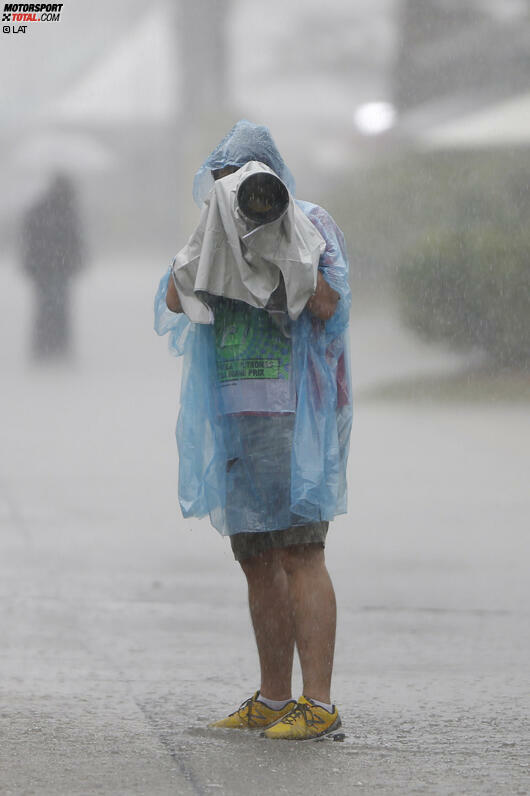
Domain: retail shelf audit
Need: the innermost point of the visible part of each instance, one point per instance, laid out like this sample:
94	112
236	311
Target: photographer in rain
258	302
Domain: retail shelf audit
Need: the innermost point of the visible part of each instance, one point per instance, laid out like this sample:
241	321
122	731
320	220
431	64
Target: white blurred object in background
48	151
374	118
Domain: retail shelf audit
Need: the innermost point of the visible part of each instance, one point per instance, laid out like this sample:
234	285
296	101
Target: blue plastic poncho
284	463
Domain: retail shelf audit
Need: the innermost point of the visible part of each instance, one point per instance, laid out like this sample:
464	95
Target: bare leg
268	600
315	616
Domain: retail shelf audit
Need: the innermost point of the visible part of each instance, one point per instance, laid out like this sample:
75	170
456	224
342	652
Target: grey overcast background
124	627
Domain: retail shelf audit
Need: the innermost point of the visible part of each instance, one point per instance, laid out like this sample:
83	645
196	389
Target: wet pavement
125	628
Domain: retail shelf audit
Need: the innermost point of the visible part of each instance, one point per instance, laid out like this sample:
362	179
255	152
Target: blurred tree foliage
452	230
471	288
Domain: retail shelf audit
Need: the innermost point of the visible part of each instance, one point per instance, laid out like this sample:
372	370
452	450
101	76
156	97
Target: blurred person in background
52	254
264	450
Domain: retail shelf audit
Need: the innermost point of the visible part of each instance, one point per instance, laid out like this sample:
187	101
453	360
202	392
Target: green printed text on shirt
248	344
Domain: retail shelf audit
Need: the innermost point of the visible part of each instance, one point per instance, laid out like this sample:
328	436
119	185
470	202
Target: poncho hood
246	141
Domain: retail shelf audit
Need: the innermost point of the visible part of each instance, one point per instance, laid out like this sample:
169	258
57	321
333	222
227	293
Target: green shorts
245	545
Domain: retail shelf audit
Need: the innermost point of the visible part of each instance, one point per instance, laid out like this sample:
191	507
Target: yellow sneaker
253	714
305	723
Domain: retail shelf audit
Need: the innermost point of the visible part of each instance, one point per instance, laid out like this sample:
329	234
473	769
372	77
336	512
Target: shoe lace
304	711
246	705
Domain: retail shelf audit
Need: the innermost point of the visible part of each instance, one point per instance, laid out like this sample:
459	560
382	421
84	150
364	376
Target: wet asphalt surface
125	628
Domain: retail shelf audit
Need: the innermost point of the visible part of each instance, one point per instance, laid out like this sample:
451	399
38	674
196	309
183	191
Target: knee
261	567
299	557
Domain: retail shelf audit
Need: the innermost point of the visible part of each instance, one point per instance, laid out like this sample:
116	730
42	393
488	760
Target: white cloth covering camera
231	257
